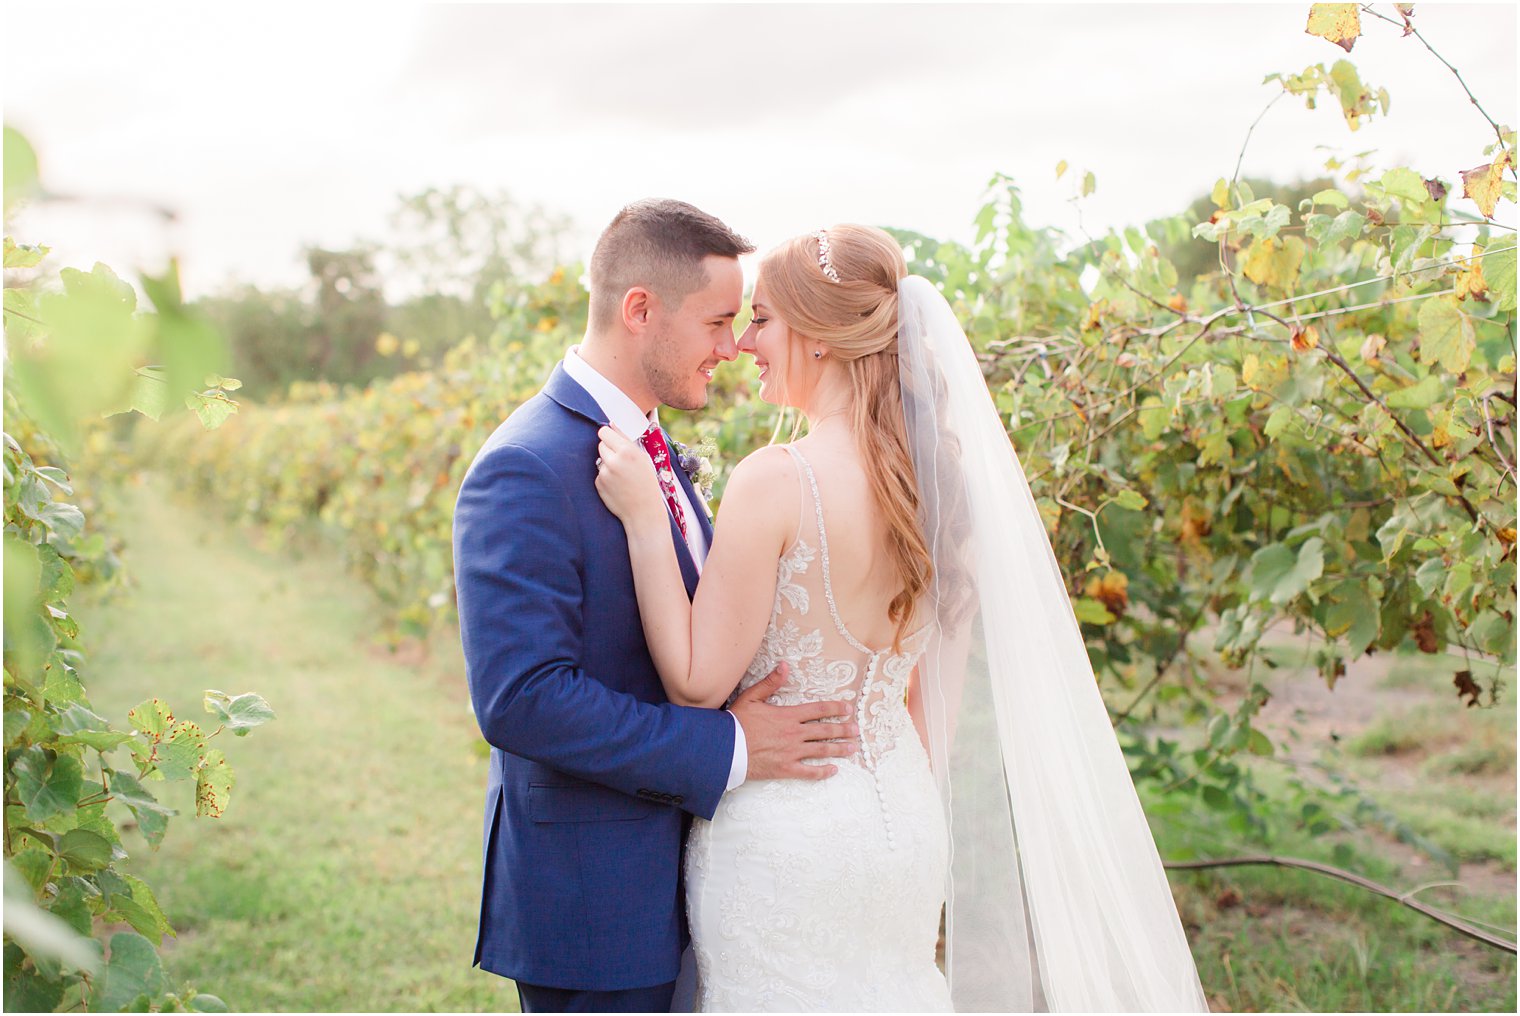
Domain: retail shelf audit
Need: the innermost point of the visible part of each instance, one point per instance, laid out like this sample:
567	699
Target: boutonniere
698	470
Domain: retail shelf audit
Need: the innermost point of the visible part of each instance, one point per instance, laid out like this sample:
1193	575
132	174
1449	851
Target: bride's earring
818	354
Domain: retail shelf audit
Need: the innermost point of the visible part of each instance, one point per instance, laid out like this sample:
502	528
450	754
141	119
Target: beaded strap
823	547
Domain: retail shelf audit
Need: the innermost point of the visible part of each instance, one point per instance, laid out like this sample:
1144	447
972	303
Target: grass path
344	875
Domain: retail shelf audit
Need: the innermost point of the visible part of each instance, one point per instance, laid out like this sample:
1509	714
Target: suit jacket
591	766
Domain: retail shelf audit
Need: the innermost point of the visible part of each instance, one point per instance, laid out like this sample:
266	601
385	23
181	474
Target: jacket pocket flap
586	803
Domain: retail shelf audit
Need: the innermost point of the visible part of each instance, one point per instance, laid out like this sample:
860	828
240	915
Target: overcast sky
267	127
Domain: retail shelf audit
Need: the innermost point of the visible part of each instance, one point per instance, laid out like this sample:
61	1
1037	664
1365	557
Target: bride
893	558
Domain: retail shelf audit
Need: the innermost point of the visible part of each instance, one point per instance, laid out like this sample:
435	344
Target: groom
592	770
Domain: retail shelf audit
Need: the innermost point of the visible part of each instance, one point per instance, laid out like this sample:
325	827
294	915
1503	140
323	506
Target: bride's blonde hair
856	318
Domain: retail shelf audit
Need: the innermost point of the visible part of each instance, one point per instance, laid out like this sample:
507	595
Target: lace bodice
825	895
825	661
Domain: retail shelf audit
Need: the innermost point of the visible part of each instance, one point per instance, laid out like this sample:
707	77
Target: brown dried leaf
1425	634
1372	345
1337	23
1406	11
1435	188
1112	590
1305	339
1467	687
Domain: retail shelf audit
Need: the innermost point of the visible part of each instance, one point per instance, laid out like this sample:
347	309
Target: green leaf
20	170
149	394
1327	231
85	850
1091	611
66	520
213	410
26	990
22	255
213	785
77	718
57	579
1447	335
207	1003
33	863
1279	575
16	721
1406	184
179	754
1499	272
240	713
141	911
134	969
26	634
49	784
1215	798
1334	198
1131	499
152	817
152	717
1427	392
1280	418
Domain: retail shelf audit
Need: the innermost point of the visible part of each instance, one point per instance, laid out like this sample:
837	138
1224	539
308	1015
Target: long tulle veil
1057	899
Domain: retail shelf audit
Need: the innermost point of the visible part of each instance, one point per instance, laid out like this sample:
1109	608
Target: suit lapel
562	388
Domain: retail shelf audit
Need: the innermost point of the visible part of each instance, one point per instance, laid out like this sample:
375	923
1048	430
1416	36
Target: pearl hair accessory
823	255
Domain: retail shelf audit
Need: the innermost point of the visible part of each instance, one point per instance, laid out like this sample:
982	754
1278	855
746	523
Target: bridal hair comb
823	255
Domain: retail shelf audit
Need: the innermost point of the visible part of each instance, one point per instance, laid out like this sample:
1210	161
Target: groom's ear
639	307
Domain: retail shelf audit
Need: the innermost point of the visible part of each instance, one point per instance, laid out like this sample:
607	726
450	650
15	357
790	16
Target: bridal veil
1057	899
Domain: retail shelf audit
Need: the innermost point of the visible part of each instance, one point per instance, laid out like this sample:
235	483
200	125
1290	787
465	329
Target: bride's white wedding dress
825	895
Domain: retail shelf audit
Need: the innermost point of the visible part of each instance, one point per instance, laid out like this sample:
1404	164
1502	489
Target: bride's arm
701	648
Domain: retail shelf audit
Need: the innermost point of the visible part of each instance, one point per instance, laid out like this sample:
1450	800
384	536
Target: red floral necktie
654	443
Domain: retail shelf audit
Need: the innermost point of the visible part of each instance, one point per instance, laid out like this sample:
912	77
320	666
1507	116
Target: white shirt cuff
740	768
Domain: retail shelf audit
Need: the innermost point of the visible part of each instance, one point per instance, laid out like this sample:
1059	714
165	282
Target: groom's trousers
540	999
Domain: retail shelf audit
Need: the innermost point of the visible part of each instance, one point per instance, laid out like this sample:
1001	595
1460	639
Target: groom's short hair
659	244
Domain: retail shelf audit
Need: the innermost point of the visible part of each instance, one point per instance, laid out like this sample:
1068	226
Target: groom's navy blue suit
592	769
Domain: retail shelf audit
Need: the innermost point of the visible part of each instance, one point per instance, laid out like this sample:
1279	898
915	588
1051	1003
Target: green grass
345	874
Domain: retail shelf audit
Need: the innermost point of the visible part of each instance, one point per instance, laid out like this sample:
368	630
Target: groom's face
690	340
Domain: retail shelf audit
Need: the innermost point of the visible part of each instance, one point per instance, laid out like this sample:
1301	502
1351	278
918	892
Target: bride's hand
626	481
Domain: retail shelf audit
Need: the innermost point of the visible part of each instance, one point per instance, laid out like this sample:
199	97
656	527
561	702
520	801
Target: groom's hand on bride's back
779	738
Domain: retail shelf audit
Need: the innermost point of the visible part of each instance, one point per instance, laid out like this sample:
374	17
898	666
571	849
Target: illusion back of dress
825	895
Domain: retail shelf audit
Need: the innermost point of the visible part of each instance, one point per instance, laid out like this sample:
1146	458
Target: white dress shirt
623	414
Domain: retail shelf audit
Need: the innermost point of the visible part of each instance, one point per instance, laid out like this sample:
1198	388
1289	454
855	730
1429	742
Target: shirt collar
621	411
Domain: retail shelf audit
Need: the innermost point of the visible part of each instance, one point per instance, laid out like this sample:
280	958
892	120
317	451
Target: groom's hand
780	737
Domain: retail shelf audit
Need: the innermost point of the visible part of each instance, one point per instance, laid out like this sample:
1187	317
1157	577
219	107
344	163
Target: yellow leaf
1060	168
386	344
1337	23
1484	183
1274	261
1221	193
1470	278
1249	368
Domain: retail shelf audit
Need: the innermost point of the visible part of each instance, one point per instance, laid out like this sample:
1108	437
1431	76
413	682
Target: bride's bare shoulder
762	496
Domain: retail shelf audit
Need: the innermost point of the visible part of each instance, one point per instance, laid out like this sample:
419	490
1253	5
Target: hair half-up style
856	318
